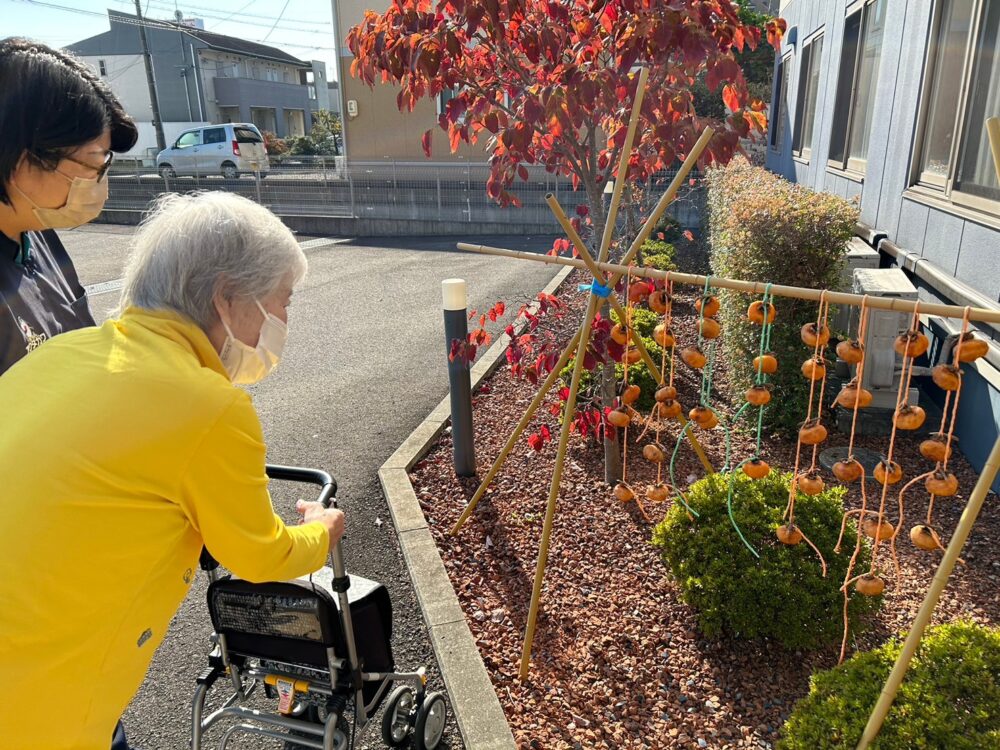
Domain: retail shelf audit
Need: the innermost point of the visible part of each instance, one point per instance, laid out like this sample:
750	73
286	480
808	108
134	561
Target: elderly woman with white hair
127	447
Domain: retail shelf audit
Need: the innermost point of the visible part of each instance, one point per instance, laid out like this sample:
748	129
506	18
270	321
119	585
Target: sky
299	27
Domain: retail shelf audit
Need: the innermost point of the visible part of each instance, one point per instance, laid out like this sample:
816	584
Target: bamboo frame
980	314
665	200
647	360
574	388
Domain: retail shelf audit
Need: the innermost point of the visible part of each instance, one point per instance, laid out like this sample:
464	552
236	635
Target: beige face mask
84	203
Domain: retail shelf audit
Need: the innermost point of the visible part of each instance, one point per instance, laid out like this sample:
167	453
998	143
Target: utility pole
161	142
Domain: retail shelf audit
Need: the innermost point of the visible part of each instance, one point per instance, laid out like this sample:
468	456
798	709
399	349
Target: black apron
40	295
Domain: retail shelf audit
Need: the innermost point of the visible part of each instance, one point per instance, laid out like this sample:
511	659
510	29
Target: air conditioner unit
859	255
882	365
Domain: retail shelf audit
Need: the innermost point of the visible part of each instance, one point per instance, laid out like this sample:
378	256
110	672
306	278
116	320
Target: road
363	366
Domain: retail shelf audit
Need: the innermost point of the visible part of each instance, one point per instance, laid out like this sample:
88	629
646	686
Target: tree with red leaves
550	82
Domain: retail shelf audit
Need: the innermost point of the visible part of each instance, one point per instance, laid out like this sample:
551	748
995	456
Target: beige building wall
379	131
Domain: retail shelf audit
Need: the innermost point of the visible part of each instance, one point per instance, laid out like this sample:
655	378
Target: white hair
191	246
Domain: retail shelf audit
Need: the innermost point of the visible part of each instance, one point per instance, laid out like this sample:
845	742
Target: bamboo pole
993	130
661	206
944	570
653	368
570	407
753	287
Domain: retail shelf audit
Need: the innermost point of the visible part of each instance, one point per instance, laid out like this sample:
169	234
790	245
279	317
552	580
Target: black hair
51	103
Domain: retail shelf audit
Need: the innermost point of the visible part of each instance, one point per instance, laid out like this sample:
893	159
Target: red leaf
509	330
731	97
564	394
535	441
582	210
661	236
426	143
492	315
688	236
546	433
776	29
500	308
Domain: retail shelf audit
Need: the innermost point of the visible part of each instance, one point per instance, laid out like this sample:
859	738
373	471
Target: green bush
763	228
781	595
950	698
659	255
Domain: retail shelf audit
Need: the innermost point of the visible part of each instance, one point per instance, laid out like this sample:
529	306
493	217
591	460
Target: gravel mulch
618	661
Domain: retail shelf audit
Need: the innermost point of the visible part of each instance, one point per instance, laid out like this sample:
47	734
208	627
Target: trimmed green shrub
659	255
764	228
781	595
949	700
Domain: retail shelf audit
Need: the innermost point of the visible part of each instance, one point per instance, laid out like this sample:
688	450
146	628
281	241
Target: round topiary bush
781	595
950	698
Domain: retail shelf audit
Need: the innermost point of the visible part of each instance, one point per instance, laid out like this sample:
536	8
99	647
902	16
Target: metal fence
328	187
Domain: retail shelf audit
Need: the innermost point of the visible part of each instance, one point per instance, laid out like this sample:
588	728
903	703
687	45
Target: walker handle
327	495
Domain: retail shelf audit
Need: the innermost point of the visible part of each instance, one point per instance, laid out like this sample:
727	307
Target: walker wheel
397	721
431	717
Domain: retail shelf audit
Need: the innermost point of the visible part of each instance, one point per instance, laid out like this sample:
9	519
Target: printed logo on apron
32	340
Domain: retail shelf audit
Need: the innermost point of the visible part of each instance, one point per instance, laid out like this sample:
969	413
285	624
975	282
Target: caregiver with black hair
60	127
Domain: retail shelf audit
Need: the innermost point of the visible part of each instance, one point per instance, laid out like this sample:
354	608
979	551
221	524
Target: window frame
783	79
942	189
848	166
804	151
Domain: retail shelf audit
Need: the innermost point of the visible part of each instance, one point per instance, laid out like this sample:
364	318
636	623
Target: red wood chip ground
618	660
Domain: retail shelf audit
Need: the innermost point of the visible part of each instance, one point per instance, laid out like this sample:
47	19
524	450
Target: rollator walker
295	642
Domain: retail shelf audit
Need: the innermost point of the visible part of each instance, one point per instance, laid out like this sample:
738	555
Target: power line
153	24
283	8
162	7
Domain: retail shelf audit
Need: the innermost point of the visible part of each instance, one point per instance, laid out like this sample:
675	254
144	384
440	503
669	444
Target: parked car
230	150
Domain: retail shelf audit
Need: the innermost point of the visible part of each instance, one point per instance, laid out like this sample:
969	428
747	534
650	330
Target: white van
230	150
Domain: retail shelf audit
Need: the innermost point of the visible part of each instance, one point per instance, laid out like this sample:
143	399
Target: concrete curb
480	717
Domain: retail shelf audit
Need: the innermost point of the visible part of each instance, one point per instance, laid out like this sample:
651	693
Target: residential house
374	128
202	77
885	101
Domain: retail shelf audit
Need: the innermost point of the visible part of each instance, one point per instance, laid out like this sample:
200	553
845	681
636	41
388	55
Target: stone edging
473	700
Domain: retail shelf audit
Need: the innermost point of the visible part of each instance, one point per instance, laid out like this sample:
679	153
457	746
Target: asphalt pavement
364	364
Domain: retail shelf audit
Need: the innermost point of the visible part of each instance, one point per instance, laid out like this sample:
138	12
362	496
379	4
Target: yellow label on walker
286	695
287	690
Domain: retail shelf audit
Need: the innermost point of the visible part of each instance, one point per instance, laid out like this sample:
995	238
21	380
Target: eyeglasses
102	170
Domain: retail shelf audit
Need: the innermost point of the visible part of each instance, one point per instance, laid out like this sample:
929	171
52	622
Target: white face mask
84	203
246	364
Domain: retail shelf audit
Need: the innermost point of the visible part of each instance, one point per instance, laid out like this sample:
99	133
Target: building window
779	114
962	91
102	68
295	122
805	111
311	88
855	105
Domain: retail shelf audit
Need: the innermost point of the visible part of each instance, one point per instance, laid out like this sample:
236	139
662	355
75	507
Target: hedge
764	228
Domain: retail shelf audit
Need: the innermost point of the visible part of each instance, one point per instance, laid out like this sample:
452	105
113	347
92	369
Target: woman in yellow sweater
124	449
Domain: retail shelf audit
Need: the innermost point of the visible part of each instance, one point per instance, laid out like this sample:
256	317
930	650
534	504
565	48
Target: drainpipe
197	82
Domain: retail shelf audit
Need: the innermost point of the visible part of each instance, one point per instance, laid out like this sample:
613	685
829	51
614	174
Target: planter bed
618	661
